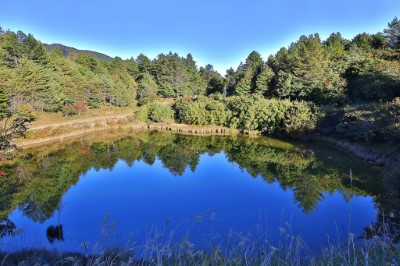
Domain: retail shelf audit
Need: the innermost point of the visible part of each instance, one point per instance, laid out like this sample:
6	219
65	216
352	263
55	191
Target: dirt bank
71	129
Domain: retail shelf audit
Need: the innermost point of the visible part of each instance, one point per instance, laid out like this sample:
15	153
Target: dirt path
81	120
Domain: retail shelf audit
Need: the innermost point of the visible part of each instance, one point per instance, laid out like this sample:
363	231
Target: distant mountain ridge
67	50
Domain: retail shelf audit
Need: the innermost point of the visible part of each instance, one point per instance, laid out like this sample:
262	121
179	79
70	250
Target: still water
107	191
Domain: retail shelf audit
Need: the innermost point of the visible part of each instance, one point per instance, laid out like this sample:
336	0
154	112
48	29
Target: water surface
113	191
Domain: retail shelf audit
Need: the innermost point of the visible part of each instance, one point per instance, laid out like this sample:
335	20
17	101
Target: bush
272	116
80	108
371	122
300	118
156	112
202	111
143	113
159	112
76	109
374	80
254	112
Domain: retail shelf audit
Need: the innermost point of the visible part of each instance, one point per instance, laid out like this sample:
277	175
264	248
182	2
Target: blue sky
218	32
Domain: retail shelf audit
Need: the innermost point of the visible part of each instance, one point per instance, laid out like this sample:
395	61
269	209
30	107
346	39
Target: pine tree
3	103
264	81
10	49
392	33
148	89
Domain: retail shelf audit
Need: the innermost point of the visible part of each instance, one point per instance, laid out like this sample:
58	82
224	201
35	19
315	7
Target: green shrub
201	111
156	112
371	122
301	117
159	112
272	116
142	114
372	80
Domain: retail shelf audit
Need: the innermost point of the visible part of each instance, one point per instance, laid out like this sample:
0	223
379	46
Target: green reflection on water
38	179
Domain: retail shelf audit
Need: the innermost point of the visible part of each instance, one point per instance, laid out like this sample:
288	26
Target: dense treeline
48	81
303	87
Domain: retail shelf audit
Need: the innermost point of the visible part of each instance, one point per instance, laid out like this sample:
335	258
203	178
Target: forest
349	88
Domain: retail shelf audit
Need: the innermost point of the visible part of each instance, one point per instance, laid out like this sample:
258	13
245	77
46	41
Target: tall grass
162	247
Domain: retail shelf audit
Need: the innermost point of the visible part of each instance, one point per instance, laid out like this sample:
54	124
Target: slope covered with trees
66	50
346	87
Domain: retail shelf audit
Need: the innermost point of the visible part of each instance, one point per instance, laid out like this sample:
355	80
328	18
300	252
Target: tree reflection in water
55	232
36	183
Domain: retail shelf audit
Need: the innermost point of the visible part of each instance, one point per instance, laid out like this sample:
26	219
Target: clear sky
219	32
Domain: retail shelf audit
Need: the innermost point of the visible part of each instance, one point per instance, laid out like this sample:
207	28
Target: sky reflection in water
109	207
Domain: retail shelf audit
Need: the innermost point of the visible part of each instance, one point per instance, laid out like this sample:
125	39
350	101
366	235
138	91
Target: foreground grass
229	249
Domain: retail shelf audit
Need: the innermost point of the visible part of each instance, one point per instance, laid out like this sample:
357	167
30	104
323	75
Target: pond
113	190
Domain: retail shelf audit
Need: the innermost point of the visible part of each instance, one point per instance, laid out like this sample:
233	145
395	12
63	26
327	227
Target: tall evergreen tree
392	33
148	89
144	63
11	49
264	81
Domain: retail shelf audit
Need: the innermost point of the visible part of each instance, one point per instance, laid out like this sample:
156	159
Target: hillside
346	88
66	50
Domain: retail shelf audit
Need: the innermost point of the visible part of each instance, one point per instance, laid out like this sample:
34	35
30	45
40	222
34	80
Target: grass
76	127
46	118
237	249
231	248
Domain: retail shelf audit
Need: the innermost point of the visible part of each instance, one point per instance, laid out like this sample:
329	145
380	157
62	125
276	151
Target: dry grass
44	118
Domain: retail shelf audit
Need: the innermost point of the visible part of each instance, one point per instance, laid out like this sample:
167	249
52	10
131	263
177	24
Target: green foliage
10	50
301	118
392	33
371	122
45	175
159	112
147	91
272	116
264	81
246	74
305	73
48	81
371	80
201	111
3	103
14	122
333	72
177	76
363	41
213	80
249	113
90	62
66	51
144	64
335	46
156	112
243	87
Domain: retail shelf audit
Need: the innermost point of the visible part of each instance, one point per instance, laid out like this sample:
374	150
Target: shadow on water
37	181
